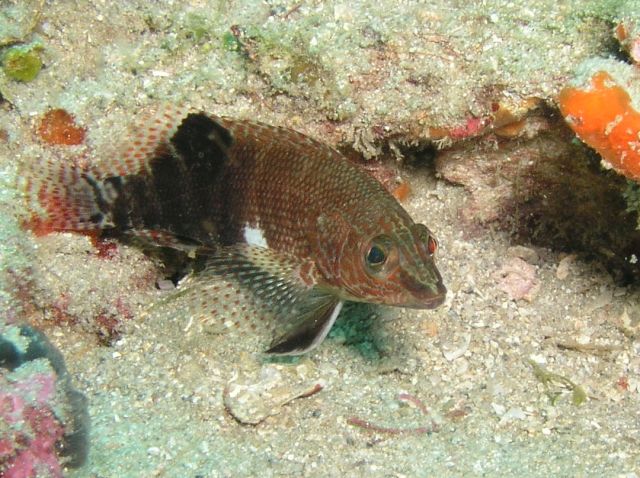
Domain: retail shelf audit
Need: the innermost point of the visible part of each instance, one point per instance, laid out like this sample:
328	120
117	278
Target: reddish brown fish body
278	210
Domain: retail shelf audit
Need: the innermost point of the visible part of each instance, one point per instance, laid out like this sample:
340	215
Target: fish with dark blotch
288	223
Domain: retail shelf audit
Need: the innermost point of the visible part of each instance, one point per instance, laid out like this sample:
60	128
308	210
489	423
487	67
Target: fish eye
376	256
430	242
379	254
432	245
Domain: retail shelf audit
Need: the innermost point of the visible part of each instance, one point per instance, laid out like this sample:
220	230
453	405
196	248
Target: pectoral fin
309	331
299	314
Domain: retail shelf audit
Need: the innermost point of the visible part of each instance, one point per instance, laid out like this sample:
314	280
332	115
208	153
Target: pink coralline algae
43	420
472	127
518	279
29	428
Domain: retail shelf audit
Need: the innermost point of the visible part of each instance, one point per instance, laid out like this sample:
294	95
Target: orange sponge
603	117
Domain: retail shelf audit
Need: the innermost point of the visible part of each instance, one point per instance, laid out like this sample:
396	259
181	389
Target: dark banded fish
284	221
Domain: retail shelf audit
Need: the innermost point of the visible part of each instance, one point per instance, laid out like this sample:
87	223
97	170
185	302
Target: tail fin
60	197
143	187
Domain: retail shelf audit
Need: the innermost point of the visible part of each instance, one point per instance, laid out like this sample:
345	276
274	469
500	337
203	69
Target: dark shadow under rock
547	191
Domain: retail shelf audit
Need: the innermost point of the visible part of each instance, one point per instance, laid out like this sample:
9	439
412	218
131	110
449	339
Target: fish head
384	260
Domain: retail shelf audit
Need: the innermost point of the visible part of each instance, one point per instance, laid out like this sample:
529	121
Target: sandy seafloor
156	394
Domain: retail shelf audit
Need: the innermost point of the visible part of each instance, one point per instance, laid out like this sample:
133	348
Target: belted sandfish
296	226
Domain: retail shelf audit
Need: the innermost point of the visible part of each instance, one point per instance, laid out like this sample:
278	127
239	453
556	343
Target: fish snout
423	294
436	299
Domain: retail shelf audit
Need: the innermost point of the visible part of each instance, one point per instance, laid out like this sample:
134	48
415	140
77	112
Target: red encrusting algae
603	117
31	430
58	127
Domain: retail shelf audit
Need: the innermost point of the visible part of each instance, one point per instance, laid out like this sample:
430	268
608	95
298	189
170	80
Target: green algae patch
22	63
355	328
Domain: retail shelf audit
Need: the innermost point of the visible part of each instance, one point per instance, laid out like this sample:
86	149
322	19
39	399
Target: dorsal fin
142	139
188	131
176	184
199	136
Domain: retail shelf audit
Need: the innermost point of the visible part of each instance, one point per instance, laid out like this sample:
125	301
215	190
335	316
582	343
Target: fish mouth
429	302
424	296
435	301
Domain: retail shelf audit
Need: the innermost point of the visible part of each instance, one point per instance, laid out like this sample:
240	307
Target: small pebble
564	266
525	253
